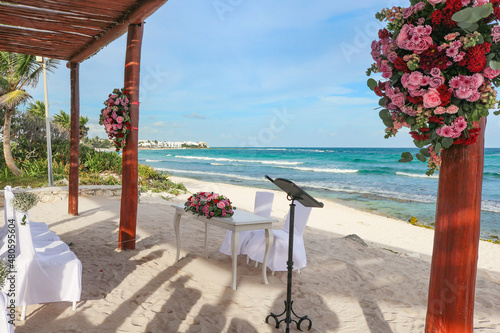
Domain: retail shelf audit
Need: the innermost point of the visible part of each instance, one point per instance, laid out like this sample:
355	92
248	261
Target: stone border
50	194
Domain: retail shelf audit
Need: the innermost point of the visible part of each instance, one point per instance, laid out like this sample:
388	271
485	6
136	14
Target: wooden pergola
74	30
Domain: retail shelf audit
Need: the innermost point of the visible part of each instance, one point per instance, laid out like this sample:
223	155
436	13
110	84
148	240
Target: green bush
96	168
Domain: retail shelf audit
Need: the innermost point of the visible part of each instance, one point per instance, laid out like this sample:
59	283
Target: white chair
44	277
39	230
262	207
278	255
5	320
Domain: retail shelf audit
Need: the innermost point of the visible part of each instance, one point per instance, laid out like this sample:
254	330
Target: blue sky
248	73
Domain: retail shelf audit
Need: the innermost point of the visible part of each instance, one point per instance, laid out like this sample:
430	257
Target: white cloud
159	124
194	115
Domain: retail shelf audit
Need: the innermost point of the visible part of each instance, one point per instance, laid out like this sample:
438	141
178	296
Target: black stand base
288	319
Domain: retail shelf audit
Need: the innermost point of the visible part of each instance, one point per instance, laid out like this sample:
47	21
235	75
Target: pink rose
423	44
452	109
439	110
432	99
435	2
120	119
221	205
491	73
436	81
452	36
392	56
398	100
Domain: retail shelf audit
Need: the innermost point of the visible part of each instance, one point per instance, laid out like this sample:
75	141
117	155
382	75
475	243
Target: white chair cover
39	230
44	277
278	255
42	237
262	207
5	320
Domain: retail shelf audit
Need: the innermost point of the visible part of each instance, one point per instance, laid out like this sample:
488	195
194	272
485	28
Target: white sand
344	288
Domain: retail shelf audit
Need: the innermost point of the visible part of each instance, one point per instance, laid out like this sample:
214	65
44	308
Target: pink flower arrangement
115	117
209	204
439	61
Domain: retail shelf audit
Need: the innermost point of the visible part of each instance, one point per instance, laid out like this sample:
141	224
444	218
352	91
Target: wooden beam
138	15
92	9
74	150
128	209
452	283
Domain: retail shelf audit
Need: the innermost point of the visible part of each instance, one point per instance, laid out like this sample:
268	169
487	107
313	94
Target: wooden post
452	283
128	210
74	151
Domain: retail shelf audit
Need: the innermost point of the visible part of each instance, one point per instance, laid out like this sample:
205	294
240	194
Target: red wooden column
128	210
74	150
452	283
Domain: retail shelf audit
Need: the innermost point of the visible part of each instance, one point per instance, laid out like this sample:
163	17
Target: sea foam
223	159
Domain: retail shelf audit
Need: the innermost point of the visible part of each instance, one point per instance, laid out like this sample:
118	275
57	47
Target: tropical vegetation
24	139
17	72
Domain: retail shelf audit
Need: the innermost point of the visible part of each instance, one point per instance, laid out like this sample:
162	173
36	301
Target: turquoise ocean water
364	178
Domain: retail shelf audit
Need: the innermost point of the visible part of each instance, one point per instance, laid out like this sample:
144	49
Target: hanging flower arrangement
439	61
209	204
115	117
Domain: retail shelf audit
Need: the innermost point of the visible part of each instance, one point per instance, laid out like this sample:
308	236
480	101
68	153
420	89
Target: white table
240	221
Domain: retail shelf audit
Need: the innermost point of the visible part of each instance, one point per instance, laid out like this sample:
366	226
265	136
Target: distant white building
171	144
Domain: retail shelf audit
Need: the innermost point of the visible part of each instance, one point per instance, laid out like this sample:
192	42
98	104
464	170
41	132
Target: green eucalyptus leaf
469	27
418	143
371	83
495	65
382	101
420	157
388	122
481	39
490	57
464	25
447	142
474	16
406	157
462	15
497	113
437	148
384	114
425	152
484	11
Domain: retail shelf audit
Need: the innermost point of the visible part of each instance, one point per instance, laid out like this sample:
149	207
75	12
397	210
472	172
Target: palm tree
17	72
63	120
37	109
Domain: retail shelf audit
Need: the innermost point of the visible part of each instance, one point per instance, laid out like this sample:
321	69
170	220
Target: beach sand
346	287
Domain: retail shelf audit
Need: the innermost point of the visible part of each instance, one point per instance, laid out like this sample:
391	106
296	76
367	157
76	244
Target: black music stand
293	193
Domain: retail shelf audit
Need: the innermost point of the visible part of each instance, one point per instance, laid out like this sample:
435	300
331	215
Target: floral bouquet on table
439	61
209	204
115	117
